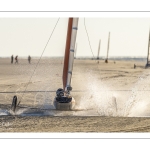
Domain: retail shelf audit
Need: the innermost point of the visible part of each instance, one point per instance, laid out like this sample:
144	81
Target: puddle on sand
48	112
4	112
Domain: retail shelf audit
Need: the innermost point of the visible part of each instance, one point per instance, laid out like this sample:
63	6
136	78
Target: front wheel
14	103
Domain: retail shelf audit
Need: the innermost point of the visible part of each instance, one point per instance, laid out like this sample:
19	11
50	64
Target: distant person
29	59
12	59
114	62
16	59
134	66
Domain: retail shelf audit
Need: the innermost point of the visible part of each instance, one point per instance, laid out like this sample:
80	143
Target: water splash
139	102
98	98
4	112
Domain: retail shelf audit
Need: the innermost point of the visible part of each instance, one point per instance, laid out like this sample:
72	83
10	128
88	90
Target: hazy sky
28	36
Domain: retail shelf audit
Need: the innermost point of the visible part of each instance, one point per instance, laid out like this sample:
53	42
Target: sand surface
111	97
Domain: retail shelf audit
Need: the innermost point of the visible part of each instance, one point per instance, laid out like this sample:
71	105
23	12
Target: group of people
12	59
16	59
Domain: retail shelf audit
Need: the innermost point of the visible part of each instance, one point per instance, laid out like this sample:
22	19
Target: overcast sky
28	36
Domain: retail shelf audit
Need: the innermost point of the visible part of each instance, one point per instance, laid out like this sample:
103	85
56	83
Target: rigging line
90	43
88	39
39	59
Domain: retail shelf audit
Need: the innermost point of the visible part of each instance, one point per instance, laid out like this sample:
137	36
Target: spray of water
98	98
110	103
4	112
138	102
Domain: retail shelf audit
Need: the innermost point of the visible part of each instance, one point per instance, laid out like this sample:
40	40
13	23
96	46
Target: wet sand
95	86
73	124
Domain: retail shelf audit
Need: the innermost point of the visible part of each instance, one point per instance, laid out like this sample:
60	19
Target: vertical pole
106	60
67	51
108	45
148	48
98	49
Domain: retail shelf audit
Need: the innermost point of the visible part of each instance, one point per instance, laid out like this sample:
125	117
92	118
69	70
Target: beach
110	97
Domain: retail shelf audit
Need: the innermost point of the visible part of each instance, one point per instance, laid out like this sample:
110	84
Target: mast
108	46
148	49
98	49
69	53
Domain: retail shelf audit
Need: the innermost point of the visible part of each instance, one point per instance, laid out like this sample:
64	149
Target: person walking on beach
16	58
12	59
29	59
134	66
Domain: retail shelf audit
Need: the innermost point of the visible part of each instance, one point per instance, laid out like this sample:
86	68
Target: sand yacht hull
64	106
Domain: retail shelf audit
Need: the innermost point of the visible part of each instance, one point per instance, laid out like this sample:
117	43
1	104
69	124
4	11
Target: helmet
60	92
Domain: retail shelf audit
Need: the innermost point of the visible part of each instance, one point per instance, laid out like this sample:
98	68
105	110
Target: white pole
71	55
98	49
108	45
148	49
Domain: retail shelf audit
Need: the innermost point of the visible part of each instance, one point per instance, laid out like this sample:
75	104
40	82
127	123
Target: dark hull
64	106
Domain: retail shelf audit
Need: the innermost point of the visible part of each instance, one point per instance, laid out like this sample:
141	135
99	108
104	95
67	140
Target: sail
69	52
66	57
71	55
75	56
